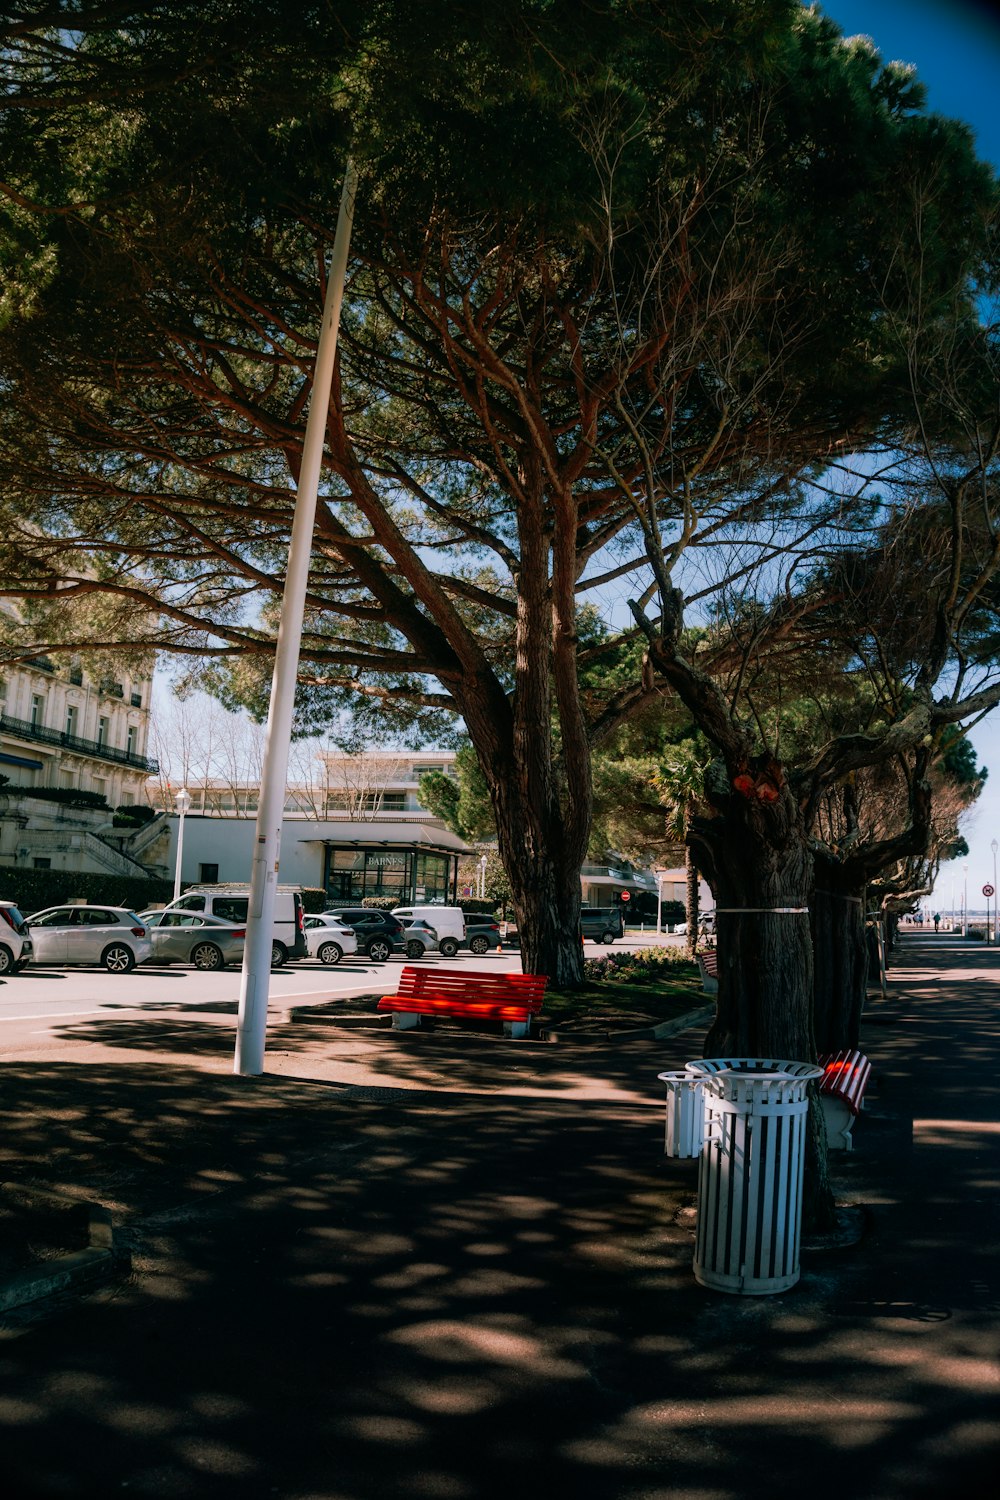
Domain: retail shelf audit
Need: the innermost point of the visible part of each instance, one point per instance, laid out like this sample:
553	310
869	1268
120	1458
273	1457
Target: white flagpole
256	980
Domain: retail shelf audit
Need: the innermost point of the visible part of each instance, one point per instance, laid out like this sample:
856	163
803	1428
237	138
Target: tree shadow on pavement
441	1295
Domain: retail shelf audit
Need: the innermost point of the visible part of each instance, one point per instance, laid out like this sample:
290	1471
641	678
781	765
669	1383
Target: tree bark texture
761	870
840	956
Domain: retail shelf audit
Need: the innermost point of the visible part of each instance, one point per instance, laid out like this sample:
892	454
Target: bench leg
516	1028
839	1123
404	1020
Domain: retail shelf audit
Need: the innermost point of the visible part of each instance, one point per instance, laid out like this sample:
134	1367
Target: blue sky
956	50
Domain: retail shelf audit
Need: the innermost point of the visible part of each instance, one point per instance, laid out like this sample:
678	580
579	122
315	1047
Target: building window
102	730
40	863
76	676
131	738
72	717
208	874
99	785
37	710
128	799
136	700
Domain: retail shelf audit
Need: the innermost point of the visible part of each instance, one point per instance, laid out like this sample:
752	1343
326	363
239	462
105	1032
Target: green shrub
33	890
634	968
381	903
314	898
133	815
69	796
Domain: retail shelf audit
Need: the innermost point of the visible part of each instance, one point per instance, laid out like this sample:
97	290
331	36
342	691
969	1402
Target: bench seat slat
468	994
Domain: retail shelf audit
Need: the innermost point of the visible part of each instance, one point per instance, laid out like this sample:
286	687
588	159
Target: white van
232	903
448	922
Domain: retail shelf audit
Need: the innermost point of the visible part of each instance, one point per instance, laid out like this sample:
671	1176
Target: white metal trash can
750	1173
685	1129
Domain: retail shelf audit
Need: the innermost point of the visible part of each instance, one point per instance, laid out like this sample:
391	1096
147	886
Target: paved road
37	1003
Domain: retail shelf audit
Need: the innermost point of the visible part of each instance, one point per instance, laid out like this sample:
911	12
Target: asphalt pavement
441	1264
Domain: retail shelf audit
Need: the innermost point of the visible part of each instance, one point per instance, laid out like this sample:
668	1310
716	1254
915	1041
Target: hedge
33	890
70	796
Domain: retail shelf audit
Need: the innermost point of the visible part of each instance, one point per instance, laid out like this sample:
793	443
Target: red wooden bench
708	968
467	993
841	1092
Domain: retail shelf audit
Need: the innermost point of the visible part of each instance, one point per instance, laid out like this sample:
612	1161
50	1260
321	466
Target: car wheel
479	945
207	956
330	953
6	960
607	937
448	947
598	937
378	950
279	955
415	949
118	959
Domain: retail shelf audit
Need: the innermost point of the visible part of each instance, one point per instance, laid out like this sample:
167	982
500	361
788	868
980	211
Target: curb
98	1262
659	1032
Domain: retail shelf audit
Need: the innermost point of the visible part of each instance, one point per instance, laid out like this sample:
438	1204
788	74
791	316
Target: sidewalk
442	1265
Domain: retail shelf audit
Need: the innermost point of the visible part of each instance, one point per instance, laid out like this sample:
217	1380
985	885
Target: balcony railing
27	731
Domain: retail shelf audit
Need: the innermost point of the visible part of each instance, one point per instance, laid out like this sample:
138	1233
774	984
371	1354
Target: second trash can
750	1172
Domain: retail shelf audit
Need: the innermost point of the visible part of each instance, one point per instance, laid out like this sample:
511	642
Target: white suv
15	940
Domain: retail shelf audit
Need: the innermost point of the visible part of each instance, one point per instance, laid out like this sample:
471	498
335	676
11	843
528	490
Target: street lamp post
482	877
183	801
994	846
965	900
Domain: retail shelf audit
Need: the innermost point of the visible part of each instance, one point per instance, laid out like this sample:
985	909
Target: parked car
447	921
482	934
232	903
329	939
419	937
602	923
189	937
15	939
378	932
108	935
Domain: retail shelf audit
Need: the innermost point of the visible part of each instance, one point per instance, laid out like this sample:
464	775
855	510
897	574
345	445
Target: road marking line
51	1015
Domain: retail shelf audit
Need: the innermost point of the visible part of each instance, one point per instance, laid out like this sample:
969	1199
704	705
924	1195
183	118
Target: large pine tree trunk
840	956
761	868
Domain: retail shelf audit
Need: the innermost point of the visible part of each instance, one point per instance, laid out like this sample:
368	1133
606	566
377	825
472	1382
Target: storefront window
402	874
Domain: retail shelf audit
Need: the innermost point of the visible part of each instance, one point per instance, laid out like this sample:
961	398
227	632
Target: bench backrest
472	984
845	1076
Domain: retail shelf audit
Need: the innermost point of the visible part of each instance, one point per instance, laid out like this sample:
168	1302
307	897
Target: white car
15	940
109	935
327	939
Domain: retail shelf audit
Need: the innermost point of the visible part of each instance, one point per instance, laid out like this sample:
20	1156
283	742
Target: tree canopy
626	280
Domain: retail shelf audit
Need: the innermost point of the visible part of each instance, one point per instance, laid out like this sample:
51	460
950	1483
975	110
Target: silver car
188	937
108	935
327	939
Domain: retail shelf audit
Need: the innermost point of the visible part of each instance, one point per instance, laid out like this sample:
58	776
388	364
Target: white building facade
64	731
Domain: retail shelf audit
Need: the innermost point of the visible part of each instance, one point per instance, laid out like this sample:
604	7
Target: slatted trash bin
750	1173
685	1132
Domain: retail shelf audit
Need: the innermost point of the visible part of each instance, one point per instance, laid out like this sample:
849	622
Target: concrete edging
98	1262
